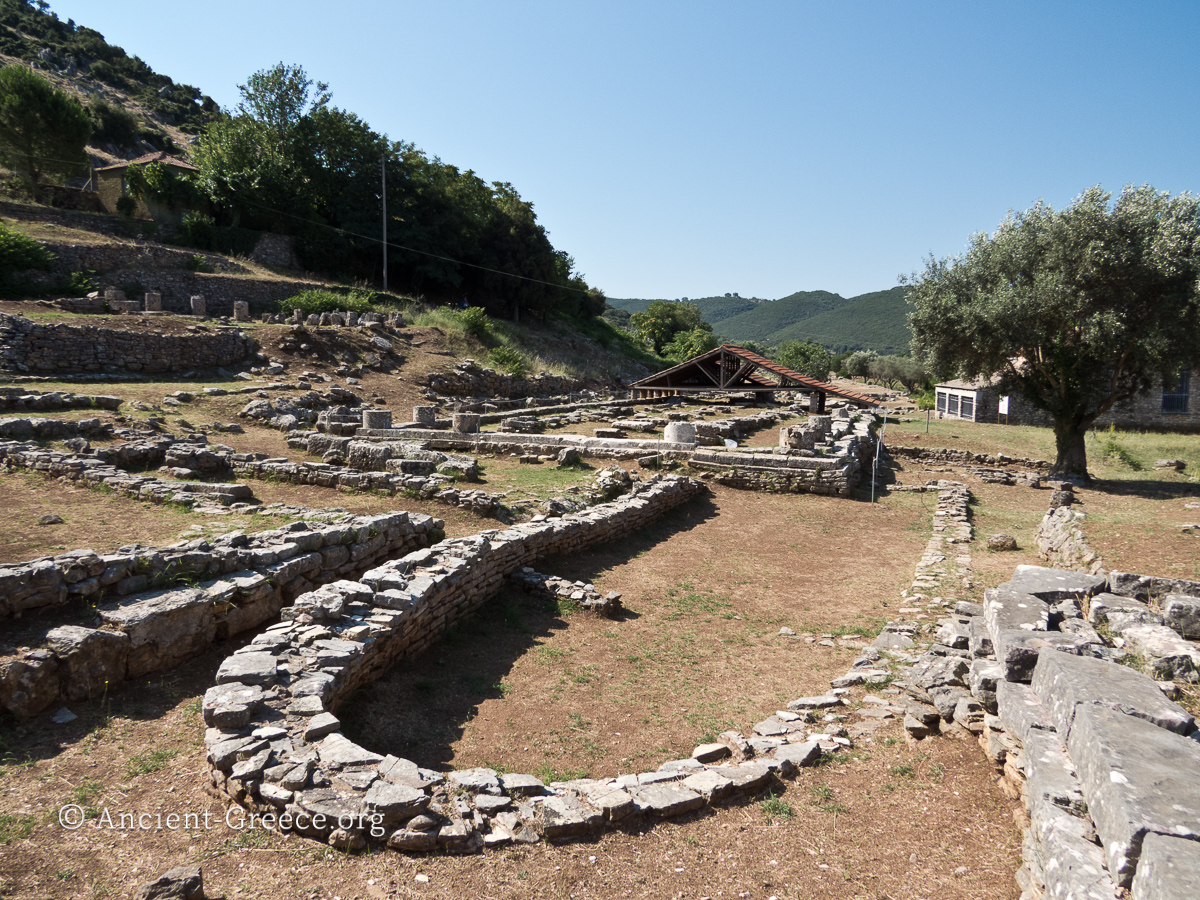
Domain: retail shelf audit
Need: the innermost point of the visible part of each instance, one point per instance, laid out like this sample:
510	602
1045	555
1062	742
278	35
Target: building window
1176	400
968	408
941	401
952	405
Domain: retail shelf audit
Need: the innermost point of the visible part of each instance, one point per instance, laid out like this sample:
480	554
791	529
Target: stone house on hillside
112	186
1174	406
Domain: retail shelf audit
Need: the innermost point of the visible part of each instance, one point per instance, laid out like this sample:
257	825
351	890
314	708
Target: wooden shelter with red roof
730	369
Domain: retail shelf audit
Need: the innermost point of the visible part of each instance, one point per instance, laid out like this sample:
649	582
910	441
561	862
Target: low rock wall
96	471
275	746
486	442
17	399
1061	542
965	457
240	581
1106	766
32	347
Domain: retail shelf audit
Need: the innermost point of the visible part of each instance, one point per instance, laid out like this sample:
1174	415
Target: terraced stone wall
34	347
146	622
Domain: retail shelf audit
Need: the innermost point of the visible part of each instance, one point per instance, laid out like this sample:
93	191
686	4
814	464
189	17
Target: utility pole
383	196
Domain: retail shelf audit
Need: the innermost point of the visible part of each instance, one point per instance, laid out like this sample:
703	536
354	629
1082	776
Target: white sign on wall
1004	405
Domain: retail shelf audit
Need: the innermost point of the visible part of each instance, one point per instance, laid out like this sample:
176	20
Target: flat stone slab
231	705
1056	584
1005	608
1021	710
1168	656
1129	609
1138	779
248	668
1050	775
337	750
1072	866
707	753
747	777
395	802
798	755
666	799
1169	869
564	817
1018	651
708	784
823	702
522	785
1065	683
480	780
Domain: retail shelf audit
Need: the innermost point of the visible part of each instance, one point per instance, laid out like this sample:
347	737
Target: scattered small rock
1002	542
50	520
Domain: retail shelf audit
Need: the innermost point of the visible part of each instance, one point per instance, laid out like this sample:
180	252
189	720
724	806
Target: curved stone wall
275	745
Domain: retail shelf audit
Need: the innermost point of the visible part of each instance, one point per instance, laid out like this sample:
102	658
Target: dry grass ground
889	819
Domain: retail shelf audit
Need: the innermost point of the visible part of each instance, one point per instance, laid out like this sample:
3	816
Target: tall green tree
658	324
42	130
1076	310
806	357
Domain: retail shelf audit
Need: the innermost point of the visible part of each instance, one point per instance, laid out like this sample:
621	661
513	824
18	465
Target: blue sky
687	149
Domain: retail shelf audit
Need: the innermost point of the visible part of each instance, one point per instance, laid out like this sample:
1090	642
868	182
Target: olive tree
1076	310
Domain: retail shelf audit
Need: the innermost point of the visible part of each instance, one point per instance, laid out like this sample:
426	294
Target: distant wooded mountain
874	321
713	309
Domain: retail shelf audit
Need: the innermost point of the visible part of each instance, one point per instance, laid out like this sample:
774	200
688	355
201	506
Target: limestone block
241	311
1138	779
1168	869
1066	684
153	301
1182	613
426	415
466	423
164	628
91	659
199	307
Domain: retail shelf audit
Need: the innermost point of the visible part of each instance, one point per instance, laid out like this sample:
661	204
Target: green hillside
713	309
761	322
874	321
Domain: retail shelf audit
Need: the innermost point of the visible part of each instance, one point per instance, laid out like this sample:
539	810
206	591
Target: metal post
875	463
383	194
927	412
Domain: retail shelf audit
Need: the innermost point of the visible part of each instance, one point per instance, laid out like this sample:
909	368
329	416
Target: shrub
197	262
508	360
321	301
18	252
474	321
112	124
126	206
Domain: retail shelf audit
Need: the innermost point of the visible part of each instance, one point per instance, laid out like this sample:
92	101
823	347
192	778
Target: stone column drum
199	307
466	423
680	433
241	311
377	418
426	415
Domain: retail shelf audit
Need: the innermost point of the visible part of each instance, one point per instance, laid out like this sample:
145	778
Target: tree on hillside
806	357
42	130
658	324
896	370
1076	310
686	344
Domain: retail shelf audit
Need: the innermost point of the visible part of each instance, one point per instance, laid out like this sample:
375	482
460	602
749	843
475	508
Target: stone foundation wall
19	399
337	639
240	582
1061	542
33	347
1105	765
964	457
